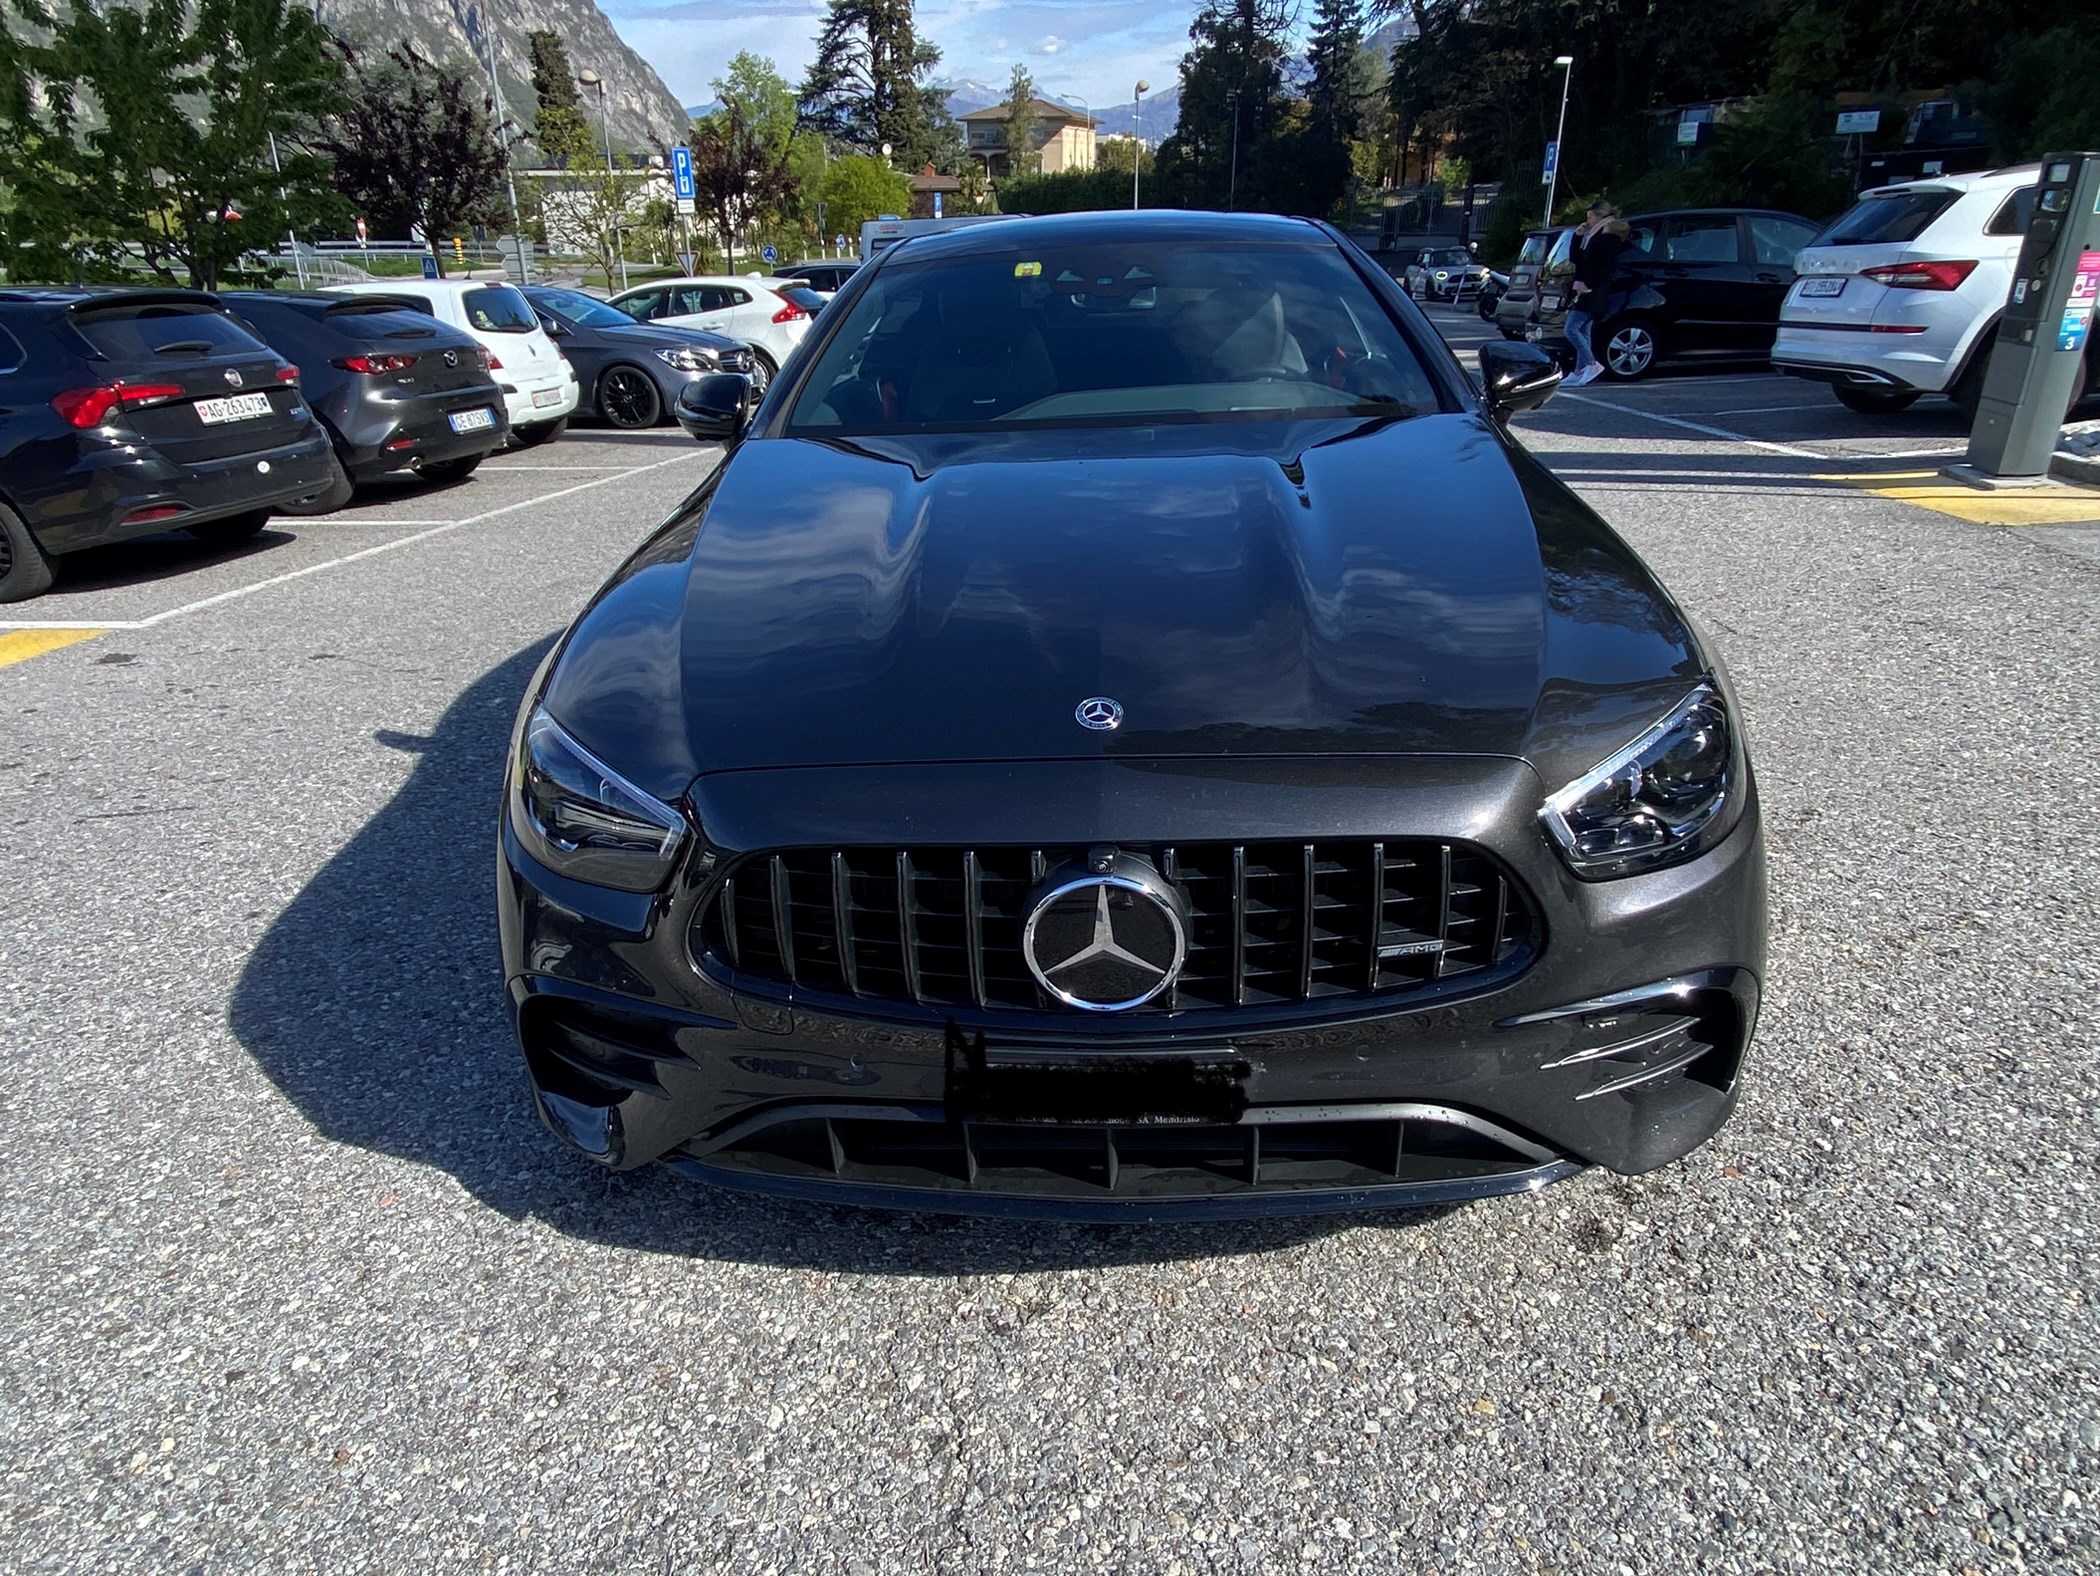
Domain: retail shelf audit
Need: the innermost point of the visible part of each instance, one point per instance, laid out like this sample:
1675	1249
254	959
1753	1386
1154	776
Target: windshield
1889	218
581	311
498	309
1534	249
1451	257
1111	334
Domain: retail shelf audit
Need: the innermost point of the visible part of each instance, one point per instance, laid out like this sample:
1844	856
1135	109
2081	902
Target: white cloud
1049	44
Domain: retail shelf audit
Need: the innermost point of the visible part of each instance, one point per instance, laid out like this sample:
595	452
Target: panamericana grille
1271	923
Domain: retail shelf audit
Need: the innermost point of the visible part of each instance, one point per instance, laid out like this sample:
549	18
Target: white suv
539	385
1901	297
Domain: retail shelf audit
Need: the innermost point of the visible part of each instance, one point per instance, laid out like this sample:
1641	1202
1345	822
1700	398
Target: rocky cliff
643	111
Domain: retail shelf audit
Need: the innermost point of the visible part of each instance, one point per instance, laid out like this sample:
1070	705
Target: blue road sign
682	172
430	266
770	253
936	205
1552	158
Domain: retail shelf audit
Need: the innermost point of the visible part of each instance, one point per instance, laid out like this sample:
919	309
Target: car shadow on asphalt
374	1004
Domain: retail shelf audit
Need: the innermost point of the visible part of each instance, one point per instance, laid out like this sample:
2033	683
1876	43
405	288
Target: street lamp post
1137	140
1232	187
1567	75
591	79
510	179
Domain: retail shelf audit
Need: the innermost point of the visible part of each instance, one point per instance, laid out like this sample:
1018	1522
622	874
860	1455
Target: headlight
575	815
1668	796
1441	276
687	358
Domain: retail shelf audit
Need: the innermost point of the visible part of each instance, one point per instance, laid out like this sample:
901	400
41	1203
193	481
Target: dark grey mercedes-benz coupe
1127	733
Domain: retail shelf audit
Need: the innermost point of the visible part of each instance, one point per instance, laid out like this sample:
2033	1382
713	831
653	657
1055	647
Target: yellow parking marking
22	644
2025	506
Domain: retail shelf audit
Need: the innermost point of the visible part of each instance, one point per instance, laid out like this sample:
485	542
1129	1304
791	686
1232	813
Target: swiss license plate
547	397
236	407
472	420
1822	287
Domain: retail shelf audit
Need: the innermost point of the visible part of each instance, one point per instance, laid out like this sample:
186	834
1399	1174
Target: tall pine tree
558	123
867	85
1339	86
1019	128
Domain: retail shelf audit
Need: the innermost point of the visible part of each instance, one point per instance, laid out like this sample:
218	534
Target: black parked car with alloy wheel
631	373
129	412
1702	282
1054	765
396	389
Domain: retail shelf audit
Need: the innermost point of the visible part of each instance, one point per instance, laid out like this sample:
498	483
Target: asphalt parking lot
293	1281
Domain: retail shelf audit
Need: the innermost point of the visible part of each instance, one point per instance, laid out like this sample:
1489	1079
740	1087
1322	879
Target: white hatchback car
539	386
1901	297
772	316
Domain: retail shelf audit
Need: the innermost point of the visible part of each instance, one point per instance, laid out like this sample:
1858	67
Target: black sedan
1126	732
396	389
630	373
1701	282
130	412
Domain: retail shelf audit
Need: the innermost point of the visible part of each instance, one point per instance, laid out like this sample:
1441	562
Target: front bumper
1620	1045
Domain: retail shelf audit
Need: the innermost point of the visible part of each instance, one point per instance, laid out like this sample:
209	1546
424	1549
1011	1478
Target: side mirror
1515	376
716	408
553	327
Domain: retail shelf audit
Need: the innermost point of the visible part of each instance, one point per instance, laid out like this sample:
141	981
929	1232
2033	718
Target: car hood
649	335
1404	587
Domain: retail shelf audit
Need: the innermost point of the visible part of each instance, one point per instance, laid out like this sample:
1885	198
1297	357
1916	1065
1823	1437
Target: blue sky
1090	49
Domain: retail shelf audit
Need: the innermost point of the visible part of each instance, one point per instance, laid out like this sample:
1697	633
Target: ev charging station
2042	336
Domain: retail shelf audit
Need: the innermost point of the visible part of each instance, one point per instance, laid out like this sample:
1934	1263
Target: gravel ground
292	1281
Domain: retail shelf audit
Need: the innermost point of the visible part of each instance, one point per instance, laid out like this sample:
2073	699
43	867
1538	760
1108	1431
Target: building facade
1062	138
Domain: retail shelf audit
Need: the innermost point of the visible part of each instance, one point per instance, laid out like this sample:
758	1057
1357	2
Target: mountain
642	110
965	95
1161	113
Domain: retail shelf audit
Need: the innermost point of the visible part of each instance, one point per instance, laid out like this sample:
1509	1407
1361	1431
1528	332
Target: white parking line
1773	410
336	563
1792	450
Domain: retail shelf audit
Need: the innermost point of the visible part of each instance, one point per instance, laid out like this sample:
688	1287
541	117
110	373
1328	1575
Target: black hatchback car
1701	282
1127	732
395	388
127	412
630	373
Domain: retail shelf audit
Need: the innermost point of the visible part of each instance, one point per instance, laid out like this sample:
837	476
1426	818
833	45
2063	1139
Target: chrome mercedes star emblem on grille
1099	713
1105	943
233	376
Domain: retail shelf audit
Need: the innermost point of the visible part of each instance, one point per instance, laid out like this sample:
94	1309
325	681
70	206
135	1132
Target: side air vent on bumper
1270	923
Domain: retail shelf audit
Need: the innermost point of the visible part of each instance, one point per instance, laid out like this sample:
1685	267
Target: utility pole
1137	140
591	79
1560	132
1232	188
517	230
290	235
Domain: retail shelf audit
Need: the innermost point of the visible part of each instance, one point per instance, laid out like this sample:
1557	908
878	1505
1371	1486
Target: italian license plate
472	420
236	407
1822	287
547	397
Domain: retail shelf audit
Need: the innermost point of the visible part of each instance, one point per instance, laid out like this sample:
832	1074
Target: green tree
1017	131
1335	96
142	133
1120	153
559	125
867	85
414	148
859	188
1231	87
742	169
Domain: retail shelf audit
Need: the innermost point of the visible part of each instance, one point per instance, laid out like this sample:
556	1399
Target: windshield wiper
186	347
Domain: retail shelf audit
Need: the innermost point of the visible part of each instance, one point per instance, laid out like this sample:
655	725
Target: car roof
1970	180
760	280
1113	224
396	287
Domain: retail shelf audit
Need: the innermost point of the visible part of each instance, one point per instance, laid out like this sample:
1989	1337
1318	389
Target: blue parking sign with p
682	172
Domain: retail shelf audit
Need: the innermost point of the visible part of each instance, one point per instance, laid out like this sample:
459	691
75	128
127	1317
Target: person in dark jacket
1595	253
